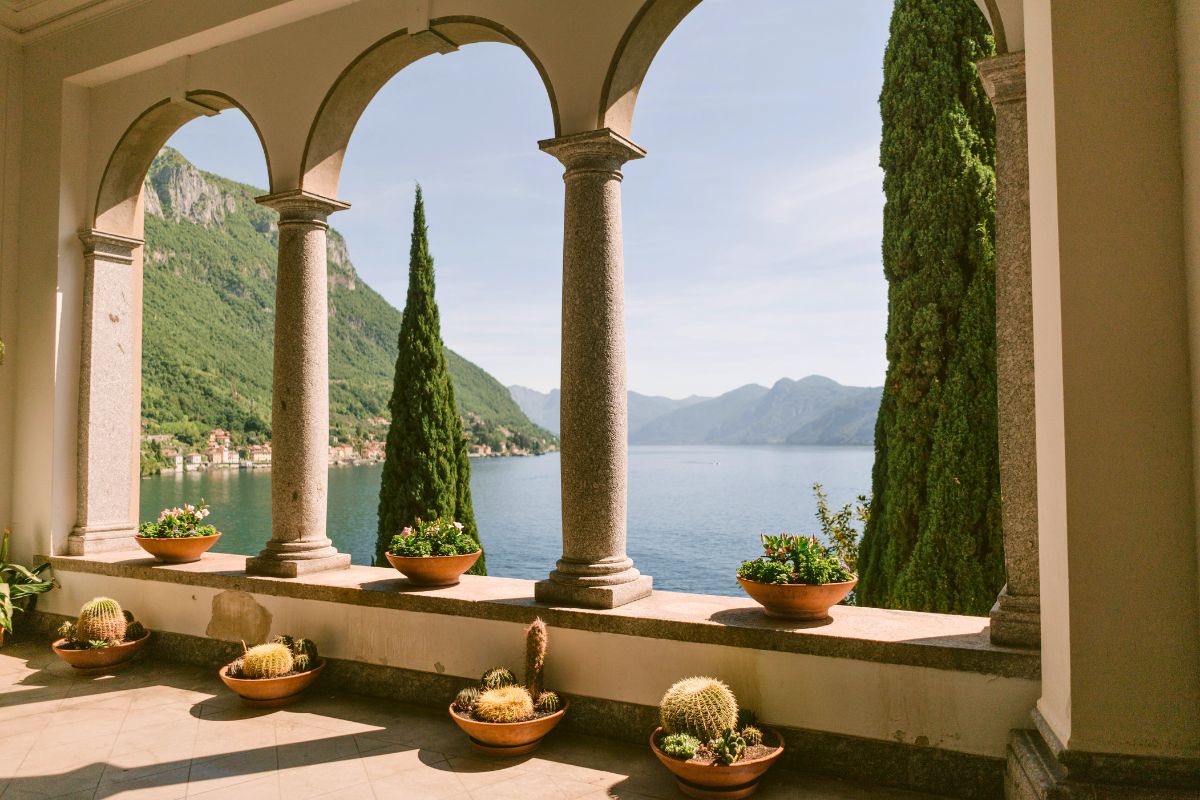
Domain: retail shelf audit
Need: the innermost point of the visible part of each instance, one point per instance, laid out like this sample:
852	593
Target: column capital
108	246
297	205
601	149
1003	77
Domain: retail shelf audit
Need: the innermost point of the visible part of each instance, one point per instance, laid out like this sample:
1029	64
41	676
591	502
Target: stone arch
120	190
336	119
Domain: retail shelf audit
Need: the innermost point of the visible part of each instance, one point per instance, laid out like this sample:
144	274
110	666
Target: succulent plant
100	619
305	647
98	644
728	747
134	631
506	704
536	639
271	660
497	678
237	668
301	663
465	700
548	702
702	707
284	640
67	631
752	735
679	745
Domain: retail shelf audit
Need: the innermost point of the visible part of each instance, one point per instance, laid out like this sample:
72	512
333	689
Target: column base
1017	620
272	566
559	593
101	539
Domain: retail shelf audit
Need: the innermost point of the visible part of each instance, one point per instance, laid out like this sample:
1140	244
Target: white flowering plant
440	537
179	523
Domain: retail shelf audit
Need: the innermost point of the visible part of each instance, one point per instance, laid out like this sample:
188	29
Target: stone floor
162	730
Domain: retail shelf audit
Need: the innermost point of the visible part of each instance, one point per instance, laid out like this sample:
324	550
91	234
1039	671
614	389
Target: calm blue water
694	512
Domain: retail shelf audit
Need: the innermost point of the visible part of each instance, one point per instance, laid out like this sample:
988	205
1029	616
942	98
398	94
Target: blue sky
752	227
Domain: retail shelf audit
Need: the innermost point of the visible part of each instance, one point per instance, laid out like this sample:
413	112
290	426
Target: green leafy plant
728	747
838	526
701	707
789	559
19	586
679	745
439	537
178	523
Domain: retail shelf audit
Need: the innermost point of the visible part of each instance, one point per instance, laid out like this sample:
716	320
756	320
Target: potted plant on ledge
434	553
275	673
796	578
104	637
713	750
177	536
503	718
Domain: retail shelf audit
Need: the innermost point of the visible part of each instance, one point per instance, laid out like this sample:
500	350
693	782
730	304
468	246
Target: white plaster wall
10	130
961	711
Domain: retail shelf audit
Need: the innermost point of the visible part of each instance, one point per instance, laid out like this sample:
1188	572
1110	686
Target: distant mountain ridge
810	411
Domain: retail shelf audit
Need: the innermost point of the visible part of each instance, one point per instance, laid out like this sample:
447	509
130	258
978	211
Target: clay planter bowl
177	551
434	570
508	738
802	602
739	779
89	662
272	692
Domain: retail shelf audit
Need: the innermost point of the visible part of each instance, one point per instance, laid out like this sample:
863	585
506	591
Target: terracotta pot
271	692
177	551
102	660
507	738
798	601
739	779
434	570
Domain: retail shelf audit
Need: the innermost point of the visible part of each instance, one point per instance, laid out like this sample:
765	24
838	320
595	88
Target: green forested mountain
208	324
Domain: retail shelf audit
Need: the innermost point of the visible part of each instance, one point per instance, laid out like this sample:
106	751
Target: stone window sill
938	641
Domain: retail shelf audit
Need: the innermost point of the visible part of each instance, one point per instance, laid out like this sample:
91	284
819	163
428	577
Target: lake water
694	512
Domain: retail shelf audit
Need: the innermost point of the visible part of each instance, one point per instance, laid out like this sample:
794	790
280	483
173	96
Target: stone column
594	570
107	398
300	393
1016	615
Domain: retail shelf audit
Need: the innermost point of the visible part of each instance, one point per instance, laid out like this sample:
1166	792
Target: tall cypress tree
426	473
933	540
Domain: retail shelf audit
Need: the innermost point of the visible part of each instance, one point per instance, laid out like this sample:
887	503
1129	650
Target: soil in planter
707	758
86	646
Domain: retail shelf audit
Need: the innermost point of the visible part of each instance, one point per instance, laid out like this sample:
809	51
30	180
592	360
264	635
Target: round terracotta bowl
739	779
434	570
177	551
271	692
798	601
507	738
102	660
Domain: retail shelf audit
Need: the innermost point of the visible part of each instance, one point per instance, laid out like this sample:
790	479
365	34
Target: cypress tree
426	473
933	540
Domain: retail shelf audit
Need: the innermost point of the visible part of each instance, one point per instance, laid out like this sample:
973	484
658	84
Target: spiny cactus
497	678
301	663
128	616
507	704
284	640
728	747
100	619
702	707
466	699
679	745
267	661
548	702
536	639
305	647
237	668
134	631
752	735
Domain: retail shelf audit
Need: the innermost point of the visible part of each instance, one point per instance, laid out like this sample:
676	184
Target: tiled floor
162	730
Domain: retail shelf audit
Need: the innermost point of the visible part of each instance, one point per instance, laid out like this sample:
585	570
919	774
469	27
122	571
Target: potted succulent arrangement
178	535
504	718
19	587
104	637
434	553
275	673
713	749
796	578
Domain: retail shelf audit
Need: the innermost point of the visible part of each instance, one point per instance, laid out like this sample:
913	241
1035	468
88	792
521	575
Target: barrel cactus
752	735
301	663
548	702
702	707
728	747
134	631
466	699
536	640
305	647
506	704
267	661
497	678
284	640
101	619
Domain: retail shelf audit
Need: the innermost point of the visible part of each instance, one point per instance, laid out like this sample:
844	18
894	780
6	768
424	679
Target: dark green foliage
788	558
427	474
497	678
728	747
932	541
679	745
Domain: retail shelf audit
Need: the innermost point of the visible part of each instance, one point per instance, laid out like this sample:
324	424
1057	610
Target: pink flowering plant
179	523
440	537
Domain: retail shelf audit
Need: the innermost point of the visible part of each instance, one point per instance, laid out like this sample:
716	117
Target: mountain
542	407
208	324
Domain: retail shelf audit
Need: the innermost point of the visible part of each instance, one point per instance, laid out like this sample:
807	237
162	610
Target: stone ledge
937	641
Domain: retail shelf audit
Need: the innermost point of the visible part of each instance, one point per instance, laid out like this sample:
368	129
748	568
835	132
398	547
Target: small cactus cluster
679	745
728	747
101	623
752	735
700	717
281	656
500	698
